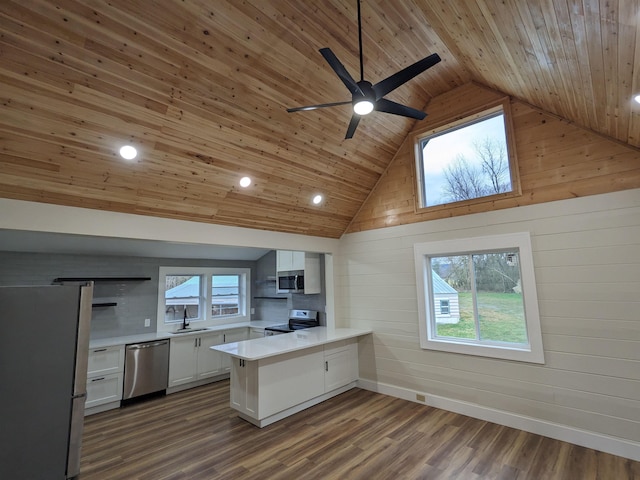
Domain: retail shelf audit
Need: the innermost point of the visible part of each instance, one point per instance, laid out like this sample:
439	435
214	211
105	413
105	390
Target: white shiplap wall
587	265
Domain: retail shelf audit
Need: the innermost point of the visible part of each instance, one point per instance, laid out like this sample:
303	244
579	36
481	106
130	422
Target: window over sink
206	296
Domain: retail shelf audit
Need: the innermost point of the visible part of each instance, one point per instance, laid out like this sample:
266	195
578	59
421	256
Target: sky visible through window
443	150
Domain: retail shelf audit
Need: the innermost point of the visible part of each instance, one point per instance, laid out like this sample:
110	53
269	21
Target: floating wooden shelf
101	279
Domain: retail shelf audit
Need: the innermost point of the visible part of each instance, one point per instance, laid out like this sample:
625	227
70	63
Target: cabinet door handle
97	379
100	350
195	342
326	366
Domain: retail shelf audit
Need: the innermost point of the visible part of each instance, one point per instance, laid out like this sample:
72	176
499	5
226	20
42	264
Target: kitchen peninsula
274	377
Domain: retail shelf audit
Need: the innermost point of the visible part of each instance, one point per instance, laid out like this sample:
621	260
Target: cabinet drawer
105	360
104	389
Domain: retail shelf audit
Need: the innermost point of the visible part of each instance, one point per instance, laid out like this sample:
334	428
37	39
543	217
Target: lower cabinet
340	364
103	389
244	387
192	362
256	332
191	359
104	378
266	390
230	336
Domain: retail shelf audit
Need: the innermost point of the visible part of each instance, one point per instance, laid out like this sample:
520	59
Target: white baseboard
584	438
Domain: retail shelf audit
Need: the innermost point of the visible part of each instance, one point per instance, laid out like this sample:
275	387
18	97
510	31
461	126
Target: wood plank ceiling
201	88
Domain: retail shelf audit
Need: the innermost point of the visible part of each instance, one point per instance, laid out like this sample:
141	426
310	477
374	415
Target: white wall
587	265
42	217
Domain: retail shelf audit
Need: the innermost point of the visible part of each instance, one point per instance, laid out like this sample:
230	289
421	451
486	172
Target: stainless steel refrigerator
44	345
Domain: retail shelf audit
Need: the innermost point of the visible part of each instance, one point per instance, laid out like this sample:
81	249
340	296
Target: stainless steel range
298	319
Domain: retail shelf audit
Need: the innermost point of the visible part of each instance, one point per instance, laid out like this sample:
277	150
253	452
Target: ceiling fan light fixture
363	107
637	98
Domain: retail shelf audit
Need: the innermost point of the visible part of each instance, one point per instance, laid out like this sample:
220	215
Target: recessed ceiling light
245	182
317	199
637	98
128	152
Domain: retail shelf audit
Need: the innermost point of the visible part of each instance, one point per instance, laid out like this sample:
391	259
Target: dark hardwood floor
358	435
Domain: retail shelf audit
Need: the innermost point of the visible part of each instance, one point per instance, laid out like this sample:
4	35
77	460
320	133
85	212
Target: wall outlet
420	398
147	322
253	310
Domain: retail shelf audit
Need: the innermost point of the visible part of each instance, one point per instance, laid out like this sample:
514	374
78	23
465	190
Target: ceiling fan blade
341	71
353	124
315	107
394	81
387	106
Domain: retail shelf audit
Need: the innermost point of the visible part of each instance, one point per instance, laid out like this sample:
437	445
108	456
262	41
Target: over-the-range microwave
291	282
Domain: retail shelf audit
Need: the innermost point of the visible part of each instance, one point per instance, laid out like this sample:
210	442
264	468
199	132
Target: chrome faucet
185	324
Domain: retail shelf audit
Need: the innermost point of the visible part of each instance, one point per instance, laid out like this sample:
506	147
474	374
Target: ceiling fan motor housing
368	95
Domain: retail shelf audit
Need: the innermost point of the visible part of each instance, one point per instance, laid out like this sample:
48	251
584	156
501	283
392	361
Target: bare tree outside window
465	162
465	180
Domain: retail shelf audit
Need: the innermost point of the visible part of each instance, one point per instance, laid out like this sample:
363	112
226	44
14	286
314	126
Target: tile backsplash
136	299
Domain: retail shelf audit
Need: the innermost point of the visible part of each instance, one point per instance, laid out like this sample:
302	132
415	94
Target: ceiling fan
366	97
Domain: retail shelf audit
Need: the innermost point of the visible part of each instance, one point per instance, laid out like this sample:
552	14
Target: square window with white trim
478	296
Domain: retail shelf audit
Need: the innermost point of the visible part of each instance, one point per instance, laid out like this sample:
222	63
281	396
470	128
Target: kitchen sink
187	330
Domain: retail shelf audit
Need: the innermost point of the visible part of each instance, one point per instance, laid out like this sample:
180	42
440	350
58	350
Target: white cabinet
183	360
104	378
256	332
193	363
230	336
288	260
209	362
244	387
190	358
266	390
340	364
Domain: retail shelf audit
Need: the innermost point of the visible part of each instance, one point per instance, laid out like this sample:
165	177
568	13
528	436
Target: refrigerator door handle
82	345
75	434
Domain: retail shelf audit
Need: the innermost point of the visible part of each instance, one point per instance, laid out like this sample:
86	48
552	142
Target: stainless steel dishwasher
146	368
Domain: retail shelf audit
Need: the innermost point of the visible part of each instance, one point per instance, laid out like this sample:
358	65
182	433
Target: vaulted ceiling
201	89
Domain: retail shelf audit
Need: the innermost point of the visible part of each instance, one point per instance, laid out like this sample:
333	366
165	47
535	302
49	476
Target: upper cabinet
288	260
309	263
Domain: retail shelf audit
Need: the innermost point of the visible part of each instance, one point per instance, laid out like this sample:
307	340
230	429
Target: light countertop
259	348
152	336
